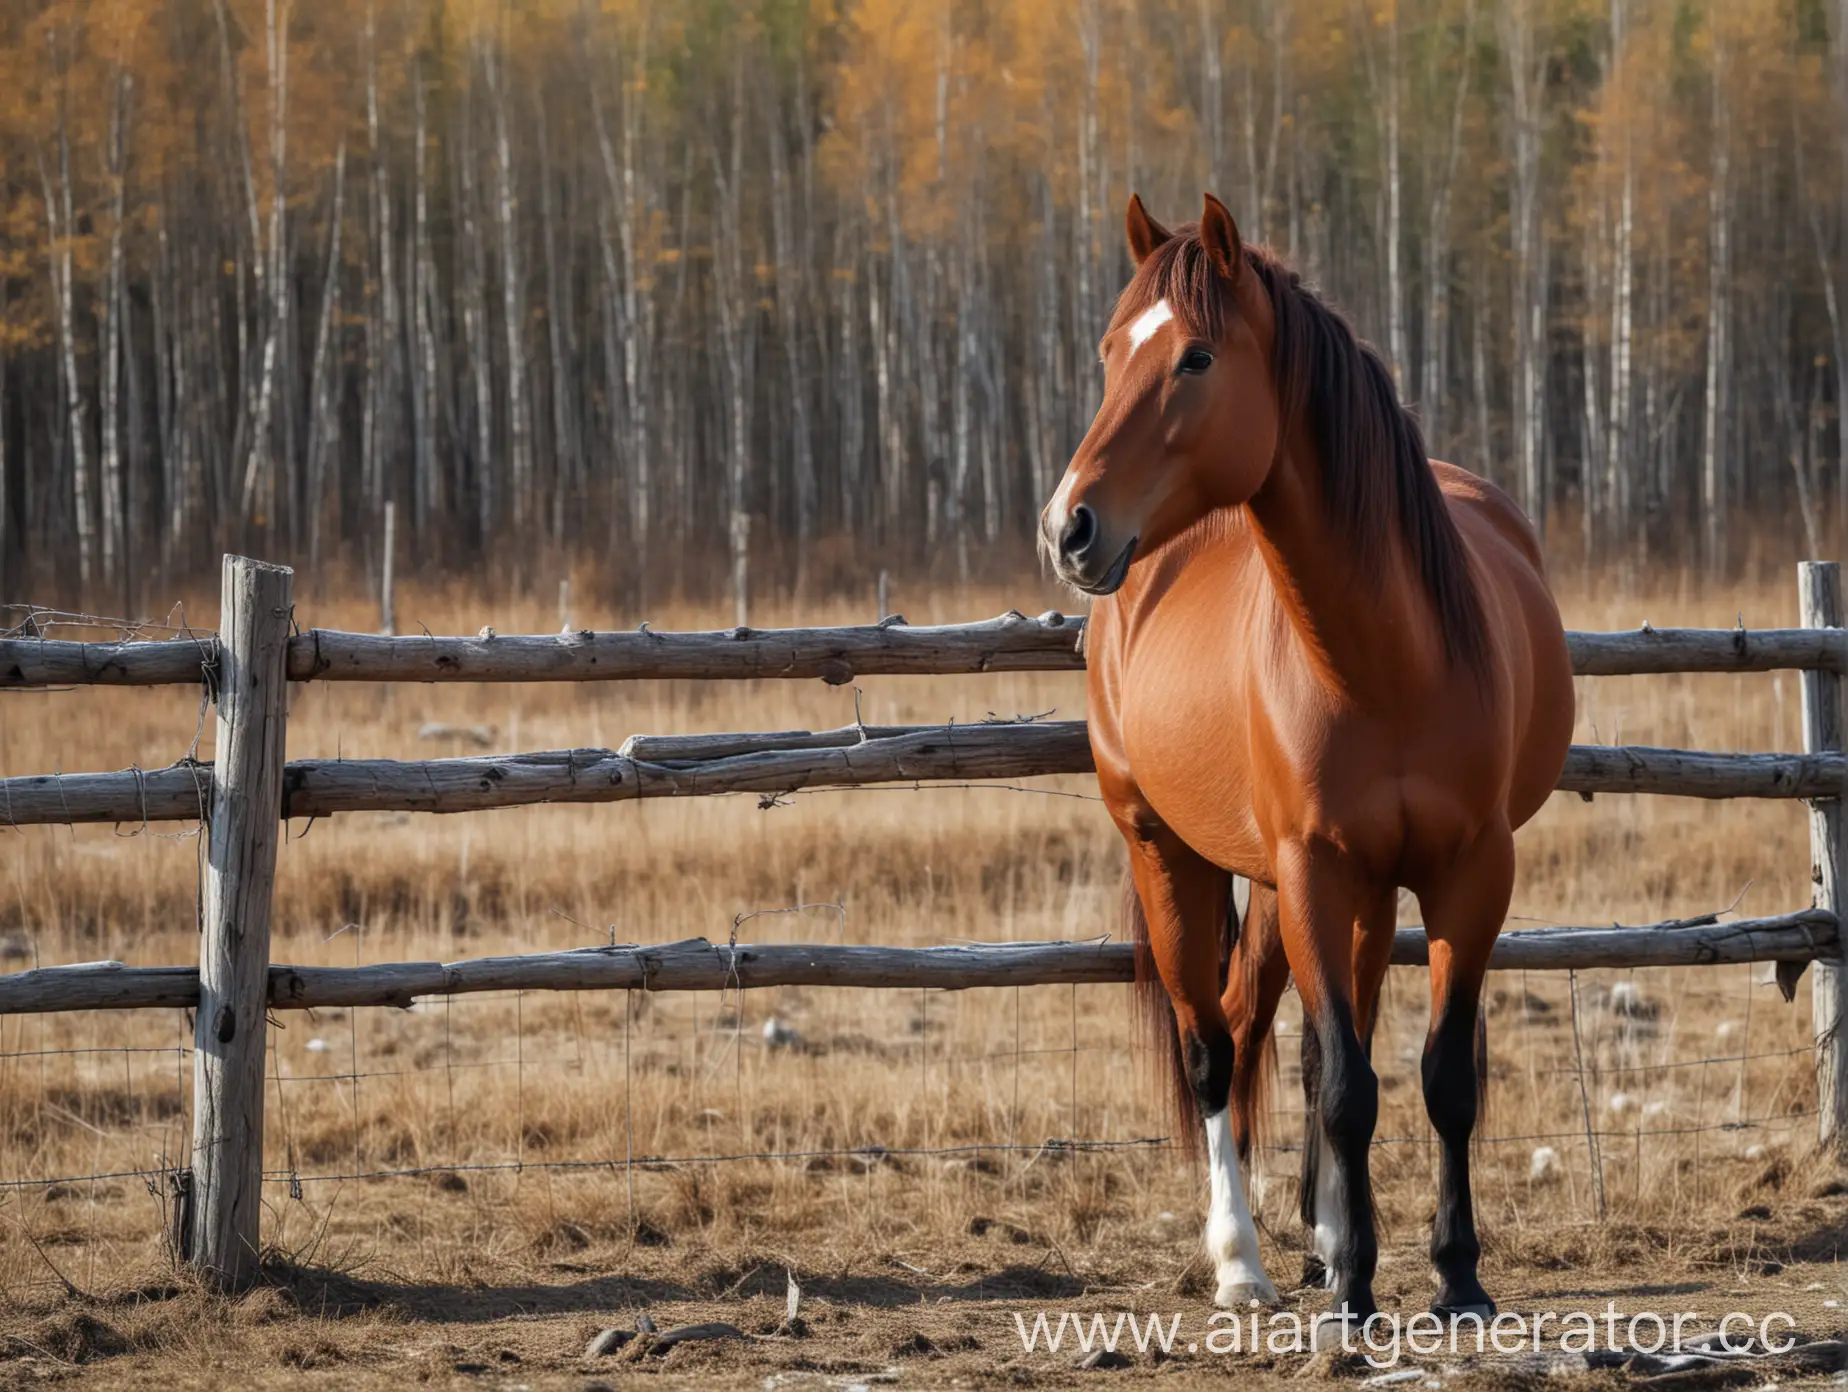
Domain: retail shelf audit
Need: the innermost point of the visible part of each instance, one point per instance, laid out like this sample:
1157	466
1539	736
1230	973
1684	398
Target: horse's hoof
1242	1295
1338	1329
1483	1310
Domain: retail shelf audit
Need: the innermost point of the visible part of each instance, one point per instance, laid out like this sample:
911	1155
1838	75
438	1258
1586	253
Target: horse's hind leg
1257	976
1462	918
1185	898
1316	1270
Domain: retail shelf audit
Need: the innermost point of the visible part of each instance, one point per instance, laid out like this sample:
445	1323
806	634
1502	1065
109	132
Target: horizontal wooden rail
1011	643
26	662
1617	768
1590	768
699	965
653	766
1658	651
317	787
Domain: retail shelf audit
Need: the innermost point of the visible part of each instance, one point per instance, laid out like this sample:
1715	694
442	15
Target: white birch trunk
567	482
791	301
323	418
1617	435
60	227
380	398
1435	362
1212	93
1713	500
475	328
626	346
258	493
519	425
114	529
1838	334
1527	59
637	308
734	306
427	496
1398	348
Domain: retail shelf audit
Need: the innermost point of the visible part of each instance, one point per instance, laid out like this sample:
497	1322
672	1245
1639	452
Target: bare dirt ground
885	1320
449	1197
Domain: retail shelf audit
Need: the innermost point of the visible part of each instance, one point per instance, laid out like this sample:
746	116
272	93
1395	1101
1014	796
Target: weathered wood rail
699	965
655	766
1011	643
246	800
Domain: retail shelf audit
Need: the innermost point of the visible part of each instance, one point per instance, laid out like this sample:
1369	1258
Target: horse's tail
1154	1013
1482	1066
1252	944
1244	950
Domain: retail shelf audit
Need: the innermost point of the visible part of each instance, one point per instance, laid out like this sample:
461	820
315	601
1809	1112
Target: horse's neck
1368	627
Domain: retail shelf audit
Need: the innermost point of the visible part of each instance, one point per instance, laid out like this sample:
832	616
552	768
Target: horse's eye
1195	361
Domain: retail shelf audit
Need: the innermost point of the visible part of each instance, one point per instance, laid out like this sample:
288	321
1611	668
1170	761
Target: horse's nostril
1080	532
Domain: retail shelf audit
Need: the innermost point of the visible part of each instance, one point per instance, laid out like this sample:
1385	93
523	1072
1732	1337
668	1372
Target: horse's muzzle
1076	545
1111	579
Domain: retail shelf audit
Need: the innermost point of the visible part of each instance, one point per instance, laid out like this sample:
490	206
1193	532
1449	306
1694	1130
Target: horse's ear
1145	234
1219	235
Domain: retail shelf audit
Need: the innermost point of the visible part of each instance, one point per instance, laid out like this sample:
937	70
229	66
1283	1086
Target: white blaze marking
1147	323
1060	506
1330	1218
1231	1236
1058	513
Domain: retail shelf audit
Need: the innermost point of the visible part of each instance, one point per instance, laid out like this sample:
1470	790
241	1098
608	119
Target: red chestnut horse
1323	662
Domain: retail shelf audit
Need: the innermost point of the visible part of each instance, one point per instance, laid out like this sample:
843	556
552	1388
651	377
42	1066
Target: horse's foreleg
1462	918
1185	898
1323	1208
1325	905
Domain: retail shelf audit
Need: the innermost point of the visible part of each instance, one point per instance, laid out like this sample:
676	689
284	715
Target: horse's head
1190	418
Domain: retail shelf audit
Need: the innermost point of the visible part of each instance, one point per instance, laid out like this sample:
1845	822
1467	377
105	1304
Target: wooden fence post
1819	592
230	1032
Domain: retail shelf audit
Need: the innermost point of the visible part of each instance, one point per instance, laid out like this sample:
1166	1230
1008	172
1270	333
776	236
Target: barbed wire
41	617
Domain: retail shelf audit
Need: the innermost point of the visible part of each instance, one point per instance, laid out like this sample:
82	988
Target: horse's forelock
1180	272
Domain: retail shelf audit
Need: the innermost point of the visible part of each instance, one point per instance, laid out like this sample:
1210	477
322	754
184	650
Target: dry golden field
450	1200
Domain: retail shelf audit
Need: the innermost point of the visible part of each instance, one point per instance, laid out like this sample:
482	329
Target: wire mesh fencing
1664	1092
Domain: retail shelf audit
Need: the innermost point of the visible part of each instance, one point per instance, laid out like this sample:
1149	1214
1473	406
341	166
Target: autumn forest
732	294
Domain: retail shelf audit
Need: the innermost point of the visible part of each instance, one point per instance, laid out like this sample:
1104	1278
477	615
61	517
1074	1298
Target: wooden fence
243	796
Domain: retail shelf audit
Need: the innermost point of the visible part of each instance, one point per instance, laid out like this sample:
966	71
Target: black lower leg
1350	1096
1210	1059
1450	1089
1315	1271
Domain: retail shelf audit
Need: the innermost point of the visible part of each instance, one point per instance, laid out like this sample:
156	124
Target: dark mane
1374	465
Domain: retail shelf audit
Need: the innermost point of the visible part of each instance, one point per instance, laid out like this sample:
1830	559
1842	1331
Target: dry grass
513	1114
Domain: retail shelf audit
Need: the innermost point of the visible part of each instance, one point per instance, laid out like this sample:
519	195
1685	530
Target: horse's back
1474	498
